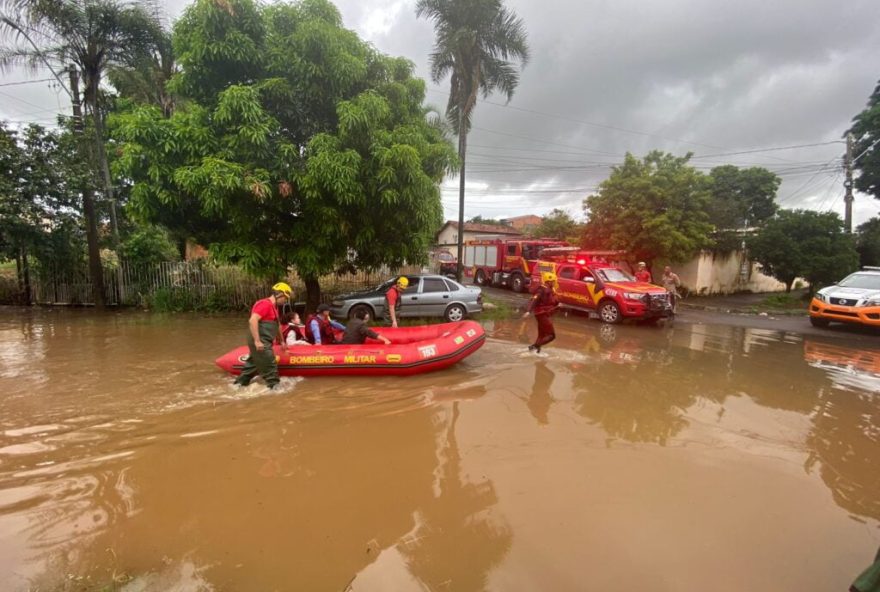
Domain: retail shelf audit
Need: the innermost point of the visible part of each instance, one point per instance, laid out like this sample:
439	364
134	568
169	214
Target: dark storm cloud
719	76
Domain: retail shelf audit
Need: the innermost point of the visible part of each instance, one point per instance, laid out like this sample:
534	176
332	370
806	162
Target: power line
877	141
28	82
771	149
14	98
802	187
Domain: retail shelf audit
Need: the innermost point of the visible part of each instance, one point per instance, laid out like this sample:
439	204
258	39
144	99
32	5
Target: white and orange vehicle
589	283
855	299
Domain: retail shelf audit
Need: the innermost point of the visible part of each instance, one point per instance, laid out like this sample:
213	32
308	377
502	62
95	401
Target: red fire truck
593	282
504	262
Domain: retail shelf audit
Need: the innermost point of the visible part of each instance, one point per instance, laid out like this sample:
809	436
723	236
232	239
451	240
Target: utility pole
96	271
848	184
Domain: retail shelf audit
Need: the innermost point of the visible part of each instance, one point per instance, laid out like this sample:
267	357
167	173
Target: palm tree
147	81
89	36
477	42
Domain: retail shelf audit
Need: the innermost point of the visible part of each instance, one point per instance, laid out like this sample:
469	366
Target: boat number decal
359	359
243	358
459	340
429	351
311	359
393	358
471	333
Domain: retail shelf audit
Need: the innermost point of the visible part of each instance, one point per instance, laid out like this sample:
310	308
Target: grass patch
783	301
496	311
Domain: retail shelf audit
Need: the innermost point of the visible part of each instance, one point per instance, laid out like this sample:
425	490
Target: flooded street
698	457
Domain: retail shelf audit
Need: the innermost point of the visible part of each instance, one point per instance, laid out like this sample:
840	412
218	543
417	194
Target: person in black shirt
357	330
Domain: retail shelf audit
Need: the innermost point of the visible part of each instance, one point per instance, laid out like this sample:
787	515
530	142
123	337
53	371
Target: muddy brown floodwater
690	458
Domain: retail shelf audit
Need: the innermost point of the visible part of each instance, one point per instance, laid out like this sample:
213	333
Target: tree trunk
788	285
95	272
313	294
462	150
19	276
104	166
110	195
26	276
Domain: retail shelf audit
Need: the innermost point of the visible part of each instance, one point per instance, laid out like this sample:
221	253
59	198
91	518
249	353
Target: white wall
448	237
709	273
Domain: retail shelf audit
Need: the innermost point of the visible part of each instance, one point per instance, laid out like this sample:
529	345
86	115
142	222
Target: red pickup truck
604	289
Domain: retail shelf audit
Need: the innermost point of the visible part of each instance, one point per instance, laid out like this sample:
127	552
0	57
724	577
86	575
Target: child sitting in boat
293	330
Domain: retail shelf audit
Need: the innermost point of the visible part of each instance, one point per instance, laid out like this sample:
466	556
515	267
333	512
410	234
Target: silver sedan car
426	296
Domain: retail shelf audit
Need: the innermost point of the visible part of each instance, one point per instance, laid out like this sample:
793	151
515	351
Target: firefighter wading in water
542	305
263	328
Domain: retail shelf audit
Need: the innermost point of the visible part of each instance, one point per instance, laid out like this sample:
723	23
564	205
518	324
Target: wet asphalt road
853	334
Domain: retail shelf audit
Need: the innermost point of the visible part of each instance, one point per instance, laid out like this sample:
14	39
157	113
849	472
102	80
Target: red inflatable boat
413	350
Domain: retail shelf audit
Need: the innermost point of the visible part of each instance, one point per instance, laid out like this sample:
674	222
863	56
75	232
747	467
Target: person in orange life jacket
542	305
319	327
263	329
393	297
643	275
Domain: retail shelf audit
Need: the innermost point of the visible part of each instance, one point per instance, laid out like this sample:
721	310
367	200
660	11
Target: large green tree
807	244
299	145
866	131
90	36
559	225
740	198
651	208
478	44
868	242
39	191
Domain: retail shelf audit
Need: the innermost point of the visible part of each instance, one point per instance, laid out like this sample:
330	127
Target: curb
745	311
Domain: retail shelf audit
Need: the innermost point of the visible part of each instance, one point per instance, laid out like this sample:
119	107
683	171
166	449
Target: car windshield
867	281
609	274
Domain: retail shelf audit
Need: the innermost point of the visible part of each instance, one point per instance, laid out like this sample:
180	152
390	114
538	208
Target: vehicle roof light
582	261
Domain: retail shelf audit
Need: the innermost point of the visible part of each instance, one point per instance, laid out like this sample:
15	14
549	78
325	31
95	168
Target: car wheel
480	278
354	309
517	283
819	322
454	313
609	312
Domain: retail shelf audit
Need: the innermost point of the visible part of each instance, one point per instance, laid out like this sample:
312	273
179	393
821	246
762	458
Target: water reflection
540	400
846	425
160	472
459	539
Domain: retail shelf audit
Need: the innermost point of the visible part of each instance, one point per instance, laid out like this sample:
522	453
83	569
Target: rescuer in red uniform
643	275
392	299
542	305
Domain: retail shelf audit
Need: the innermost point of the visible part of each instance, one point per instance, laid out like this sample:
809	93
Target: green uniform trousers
261	362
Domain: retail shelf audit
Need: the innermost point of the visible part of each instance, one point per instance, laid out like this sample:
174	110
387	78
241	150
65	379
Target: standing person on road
393	297
671	282
543	304
264	328
643	275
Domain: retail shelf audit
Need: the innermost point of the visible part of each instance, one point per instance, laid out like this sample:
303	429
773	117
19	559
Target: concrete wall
710	273
448	237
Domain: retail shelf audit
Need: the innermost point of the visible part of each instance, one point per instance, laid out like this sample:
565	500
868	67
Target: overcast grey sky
607	77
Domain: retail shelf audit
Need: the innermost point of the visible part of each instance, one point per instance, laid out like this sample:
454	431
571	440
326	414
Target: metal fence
191	285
